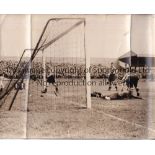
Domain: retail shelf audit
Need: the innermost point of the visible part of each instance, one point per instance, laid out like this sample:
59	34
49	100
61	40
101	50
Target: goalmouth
62	44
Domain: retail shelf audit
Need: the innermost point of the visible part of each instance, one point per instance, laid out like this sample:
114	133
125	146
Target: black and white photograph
77	76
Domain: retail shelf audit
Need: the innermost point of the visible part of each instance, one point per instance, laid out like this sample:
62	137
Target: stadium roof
129	58
132	59
128	54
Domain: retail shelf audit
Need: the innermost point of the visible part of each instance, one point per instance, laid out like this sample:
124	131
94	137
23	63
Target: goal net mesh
58	72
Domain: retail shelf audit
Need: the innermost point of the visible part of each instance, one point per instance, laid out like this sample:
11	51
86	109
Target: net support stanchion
87	58
44	70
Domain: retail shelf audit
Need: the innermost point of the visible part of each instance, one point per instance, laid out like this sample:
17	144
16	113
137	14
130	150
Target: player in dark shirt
51	80
112	77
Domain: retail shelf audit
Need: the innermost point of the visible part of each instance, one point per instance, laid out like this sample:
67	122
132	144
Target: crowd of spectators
64	70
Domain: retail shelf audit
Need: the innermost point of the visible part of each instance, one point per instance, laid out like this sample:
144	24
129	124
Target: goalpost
63	46
88	78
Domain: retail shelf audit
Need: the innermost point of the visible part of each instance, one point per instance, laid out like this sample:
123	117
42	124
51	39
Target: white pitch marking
128	122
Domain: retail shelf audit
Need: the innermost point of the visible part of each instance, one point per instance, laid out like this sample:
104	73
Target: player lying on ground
116	96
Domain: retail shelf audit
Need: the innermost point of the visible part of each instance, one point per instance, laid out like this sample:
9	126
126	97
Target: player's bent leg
115	86
110	83
137	90
56	88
